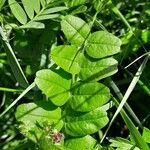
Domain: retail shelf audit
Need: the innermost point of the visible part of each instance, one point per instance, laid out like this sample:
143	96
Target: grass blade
14	64
127	94
16	100
133	130
120	97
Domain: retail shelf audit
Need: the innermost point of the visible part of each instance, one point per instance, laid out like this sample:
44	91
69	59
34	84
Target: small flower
57	137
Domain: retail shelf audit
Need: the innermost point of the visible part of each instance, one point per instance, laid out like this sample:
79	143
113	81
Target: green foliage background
63	74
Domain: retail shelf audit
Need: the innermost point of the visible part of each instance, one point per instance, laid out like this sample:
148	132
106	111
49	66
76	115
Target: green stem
9	90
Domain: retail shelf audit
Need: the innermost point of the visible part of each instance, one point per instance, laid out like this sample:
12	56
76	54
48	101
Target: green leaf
34	25
40	112
43	3
146	135
36	5
75	29
46	17
99	5
89	96
55	85
122	144
81	143
96	69
81	124
2	2
54	10
28	8
45	143
14	64
31	113
17	11
72	3
133	130
79	9
102	44
66	57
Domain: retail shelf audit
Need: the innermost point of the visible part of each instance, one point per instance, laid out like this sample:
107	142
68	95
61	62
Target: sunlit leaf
18	11
102	44
54	10
82	143
55	85
122	144
89	96
36	5
46	17
28	8
146	135
81	124
34	25
75	29
66	56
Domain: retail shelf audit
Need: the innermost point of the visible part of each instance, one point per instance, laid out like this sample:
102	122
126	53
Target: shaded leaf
102	44
55	85
81	124
75	29
136	136
96	69
2	2
17	11
79	9
14	64
89	96
66	57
